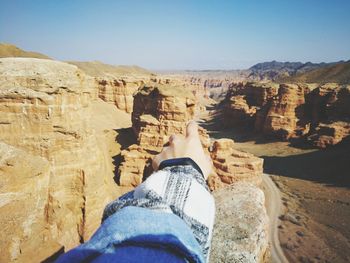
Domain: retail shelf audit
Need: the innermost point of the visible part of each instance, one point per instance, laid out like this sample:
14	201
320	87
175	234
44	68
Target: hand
189	146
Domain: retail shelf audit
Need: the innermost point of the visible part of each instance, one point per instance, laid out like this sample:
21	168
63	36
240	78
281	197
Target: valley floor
315	188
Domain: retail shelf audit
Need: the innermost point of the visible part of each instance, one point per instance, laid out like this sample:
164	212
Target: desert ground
314	186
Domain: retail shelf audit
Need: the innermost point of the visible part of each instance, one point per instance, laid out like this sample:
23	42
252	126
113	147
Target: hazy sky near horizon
180	34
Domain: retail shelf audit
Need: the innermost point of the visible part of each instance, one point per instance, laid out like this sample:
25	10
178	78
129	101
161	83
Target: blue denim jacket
136	234
168	218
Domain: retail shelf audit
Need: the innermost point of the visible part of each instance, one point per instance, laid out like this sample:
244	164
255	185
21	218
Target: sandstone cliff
244	101
329	110
24	196
285	114
116	84
56	143
321	114
231	165
119	91
45	112
161	110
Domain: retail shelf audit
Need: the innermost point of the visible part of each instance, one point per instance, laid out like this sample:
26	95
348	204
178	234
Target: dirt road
274	207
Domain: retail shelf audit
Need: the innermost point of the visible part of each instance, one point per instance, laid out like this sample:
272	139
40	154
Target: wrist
180	161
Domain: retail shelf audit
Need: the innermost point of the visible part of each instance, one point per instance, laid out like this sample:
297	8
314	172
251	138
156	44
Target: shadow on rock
125	137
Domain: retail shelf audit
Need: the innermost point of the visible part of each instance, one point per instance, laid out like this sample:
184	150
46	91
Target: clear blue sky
176	34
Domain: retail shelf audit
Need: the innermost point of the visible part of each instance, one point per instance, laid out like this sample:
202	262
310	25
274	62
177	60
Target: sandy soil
316	199
315	190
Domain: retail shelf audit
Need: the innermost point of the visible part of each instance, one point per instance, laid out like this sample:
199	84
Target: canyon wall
119	91
57	169
45	113
161	110
320	114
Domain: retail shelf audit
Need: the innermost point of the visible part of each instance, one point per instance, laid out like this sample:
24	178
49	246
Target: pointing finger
192	129
173	138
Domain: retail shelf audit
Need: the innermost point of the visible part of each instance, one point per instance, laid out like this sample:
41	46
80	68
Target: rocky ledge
241	225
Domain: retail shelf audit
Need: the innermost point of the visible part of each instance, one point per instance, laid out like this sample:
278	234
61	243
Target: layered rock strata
55	167
45	112
288	111
163	110
119	91
330	114
24	197
160	110
244	100
231	165
285	117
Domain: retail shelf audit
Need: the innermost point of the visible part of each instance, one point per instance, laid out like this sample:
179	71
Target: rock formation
329	107
115	84
319	114
244	100
241	225
285	117
56	168
162	110
24	197
44	111
119	91
232	166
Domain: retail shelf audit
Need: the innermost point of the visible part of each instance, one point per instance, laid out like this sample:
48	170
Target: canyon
60	164
74	136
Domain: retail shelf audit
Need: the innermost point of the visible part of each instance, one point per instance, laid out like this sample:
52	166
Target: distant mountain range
278	71
337	72
267	71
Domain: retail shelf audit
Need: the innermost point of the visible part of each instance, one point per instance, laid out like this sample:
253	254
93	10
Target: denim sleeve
180	190
169	216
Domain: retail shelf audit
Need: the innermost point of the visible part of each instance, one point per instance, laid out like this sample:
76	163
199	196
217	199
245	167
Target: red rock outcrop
163	110
326	134
160	110
285	117
291	111
231	165
119	91
244	100
135	166
329	107
257	94
237	111
45	112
